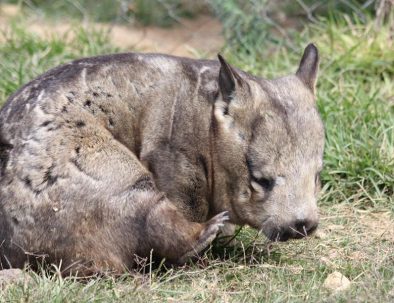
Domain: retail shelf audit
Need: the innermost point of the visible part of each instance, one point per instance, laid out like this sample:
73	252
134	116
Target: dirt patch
193	38
9	10
379	225
368	224
355	235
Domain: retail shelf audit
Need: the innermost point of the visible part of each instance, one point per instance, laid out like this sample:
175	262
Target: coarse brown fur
112	157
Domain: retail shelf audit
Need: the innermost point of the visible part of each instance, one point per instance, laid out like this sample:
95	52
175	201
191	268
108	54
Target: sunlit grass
356	100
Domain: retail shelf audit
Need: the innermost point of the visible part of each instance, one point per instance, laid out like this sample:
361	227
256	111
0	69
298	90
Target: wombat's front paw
207	235
213	226
227	235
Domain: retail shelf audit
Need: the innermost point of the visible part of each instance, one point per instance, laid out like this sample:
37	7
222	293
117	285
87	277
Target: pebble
336	282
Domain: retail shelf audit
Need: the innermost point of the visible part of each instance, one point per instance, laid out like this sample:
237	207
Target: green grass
162	13
25	56
356	99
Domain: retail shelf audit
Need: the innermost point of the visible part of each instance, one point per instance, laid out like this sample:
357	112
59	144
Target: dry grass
359	244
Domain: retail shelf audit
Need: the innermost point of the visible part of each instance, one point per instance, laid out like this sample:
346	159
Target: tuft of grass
356	100
164	13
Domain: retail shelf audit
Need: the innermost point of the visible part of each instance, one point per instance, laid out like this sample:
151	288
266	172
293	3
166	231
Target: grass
356	100
260	272
26	55
165	13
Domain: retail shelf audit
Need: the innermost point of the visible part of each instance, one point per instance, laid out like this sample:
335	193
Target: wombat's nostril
303	228
297	230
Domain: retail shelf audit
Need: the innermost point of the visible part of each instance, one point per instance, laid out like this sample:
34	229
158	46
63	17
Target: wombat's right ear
229	79
309	66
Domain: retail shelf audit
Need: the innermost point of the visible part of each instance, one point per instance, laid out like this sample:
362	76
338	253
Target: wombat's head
270	141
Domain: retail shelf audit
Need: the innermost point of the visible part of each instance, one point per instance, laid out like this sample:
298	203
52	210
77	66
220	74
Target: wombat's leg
175	238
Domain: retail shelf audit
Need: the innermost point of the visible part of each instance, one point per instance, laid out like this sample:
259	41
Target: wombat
115	157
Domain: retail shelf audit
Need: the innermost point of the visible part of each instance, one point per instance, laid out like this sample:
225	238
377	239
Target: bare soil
363	230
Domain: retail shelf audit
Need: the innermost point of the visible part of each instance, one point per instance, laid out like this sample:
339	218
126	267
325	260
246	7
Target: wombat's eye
266	183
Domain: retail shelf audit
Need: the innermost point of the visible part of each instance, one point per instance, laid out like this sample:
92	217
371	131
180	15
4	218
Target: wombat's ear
309	66
229	79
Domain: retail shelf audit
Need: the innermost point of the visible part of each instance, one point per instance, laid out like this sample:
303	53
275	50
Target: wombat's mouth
299	230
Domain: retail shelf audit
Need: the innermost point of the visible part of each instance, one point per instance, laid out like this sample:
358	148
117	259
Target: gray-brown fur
107	158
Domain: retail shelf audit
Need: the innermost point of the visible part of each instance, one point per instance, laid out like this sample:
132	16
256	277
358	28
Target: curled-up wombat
112	157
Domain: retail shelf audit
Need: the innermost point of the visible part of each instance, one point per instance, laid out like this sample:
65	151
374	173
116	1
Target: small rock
391	293
336	282
326	261
9	276
320	234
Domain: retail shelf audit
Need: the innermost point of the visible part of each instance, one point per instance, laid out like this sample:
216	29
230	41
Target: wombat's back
71	183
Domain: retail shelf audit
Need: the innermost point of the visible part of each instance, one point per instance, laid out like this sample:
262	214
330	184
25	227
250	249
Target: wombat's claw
207	235
216	222
227	235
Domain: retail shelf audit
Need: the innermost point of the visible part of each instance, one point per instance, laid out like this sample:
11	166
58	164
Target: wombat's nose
300	229
304	228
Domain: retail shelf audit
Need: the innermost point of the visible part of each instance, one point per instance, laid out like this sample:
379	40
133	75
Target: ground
356	233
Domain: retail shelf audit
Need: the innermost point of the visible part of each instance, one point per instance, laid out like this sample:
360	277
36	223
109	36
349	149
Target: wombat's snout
296	230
